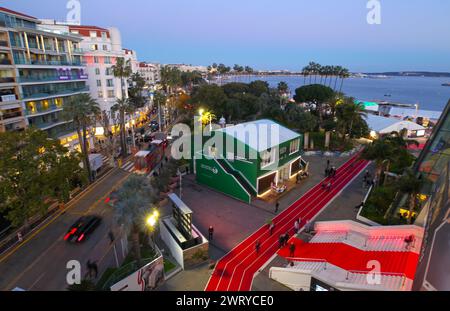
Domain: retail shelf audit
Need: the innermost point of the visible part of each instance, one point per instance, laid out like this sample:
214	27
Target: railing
8	98
5	62
4	43
51	108
56	93
350	273
11	115
48	63
7	80
52	78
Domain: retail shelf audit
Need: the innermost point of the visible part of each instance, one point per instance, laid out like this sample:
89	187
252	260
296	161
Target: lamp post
151	222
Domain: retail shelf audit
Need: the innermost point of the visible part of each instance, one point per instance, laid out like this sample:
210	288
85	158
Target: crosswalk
128	166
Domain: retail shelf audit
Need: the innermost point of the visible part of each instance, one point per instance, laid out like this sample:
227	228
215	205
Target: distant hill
412	74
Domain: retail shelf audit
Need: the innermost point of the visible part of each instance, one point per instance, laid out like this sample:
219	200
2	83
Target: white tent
383	125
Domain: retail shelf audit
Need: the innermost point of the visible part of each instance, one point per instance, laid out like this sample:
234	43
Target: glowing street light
152	219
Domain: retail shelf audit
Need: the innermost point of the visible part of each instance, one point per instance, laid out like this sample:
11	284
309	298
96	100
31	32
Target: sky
271	34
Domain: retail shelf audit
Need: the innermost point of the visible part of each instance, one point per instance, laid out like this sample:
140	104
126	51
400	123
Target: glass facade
434	165
436	155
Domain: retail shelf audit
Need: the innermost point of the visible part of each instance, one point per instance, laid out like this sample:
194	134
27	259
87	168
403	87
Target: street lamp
152	219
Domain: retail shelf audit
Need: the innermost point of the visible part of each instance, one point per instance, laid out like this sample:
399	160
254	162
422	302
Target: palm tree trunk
122	132
86	154
335	84
412	206
135	240
342	84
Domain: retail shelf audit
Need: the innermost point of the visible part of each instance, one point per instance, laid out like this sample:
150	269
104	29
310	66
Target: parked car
82	229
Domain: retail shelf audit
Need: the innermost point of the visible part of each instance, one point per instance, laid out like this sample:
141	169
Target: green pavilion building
255	158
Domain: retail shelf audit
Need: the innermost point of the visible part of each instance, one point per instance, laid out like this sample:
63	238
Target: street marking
37	281
69	206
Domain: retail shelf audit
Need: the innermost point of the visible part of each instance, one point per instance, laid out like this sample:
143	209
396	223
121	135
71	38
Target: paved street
40	262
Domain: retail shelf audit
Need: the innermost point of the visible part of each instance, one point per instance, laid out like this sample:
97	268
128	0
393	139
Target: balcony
4	43
56	93
7	80
48	63
8	98
52	78
5	62
40	111
10	115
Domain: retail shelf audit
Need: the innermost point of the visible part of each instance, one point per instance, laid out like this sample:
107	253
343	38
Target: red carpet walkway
235	271
353	259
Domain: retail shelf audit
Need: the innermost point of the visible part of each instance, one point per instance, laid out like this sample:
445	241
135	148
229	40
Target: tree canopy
34	171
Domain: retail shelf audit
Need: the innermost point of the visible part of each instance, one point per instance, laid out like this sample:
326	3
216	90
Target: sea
427	92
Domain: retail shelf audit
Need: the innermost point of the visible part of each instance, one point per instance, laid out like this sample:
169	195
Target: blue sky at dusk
271	34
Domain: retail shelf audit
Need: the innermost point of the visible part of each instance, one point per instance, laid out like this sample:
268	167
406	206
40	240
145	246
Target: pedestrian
277	206
280	241
19	237
328	163
334	171
286	238
211	233
271	228
258	246
292	249
329	186
298	178
324	186
296	226
327	172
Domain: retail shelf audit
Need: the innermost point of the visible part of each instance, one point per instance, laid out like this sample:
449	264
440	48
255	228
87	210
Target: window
111	94
100	94
76	32
109	83
99	83
104	35
267	157
108	72
105	47
295	146
97	71
93	34
94	47
107	60
96	59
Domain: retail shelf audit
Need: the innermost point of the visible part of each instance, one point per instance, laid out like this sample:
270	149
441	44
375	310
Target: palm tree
379	151
83	111
336	72
410	184
122	70
305	73
133	202
344	74
123	107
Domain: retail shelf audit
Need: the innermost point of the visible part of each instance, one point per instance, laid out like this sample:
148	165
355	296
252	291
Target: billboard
147	278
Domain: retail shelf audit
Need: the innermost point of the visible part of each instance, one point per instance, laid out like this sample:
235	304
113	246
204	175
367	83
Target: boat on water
446	84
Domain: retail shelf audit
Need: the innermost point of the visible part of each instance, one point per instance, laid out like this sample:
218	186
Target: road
39	263
235	271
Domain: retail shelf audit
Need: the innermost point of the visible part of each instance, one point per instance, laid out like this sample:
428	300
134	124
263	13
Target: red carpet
235	271
353	259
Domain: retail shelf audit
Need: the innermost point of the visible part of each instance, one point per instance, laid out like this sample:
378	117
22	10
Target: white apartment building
101	47
151	72
189	68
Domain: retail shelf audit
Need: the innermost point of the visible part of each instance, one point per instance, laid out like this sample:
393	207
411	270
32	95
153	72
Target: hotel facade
40	69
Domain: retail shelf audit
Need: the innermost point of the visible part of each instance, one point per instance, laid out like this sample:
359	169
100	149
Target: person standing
211	233
280	241
297	178
286	238
292	249
296	226
271	228
277	207
258	246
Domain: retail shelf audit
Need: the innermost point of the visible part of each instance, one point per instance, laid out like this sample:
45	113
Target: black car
82	228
